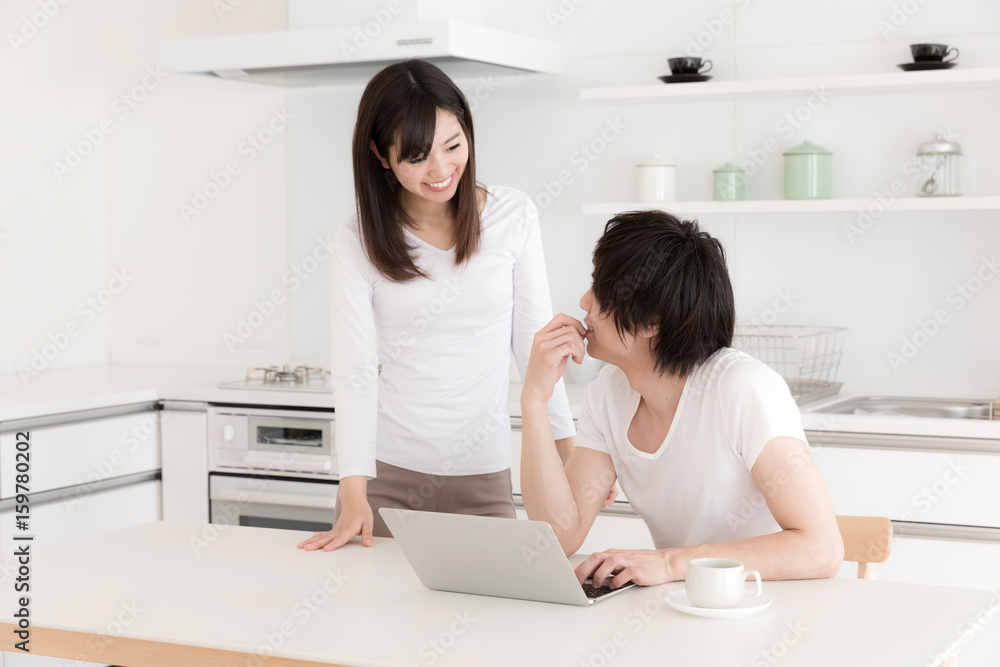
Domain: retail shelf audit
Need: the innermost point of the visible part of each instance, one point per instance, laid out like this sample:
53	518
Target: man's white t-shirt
443	343
697	487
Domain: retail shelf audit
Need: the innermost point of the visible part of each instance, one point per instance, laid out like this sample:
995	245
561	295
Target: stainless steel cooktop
300	378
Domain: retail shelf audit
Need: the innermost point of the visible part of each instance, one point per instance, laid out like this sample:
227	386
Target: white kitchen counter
72	390
55	392
249	590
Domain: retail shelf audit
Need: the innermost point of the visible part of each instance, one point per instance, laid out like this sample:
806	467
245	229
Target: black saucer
927	64
684	78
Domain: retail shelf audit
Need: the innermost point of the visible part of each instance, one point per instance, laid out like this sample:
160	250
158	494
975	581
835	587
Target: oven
268	502
272	468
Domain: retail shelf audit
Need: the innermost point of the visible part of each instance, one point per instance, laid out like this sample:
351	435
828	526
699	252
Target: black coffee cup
924	53
688	65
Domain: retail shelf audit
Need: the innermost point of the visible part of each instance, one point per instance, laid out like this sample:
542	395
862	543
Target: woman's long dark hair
399	106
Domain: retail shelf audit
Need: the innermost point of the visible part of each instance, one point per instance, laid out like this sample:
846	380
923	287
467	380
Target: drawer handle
246	498
302	466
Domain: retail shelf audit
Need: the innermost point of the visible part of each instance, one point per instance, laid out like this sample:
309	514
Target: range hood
340	56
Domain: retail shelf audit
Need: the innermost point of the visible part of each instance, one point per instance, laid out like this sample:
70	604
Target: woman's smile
441	186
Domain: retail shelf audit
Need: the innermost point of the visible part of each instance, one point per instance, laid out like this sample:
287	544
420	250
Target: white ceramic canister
657	180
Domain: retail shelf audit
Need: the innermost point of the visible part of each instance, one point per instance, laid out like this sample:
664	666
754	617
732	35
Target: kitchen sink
911	406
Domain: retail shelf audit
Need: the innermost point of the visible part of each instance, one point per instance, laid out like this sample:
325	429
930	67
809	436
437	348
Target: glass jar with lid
940	162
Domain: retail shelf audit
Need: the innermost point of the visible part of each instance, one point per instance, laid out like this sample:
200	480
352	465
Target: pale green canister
808	172
728	182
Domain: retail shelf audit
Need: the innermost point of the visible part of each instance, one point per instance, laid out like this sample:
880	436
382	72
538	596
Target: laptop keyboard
594	592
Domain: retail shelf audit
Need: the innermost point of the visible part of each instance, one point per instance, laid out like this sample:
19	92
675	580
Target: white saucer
678	599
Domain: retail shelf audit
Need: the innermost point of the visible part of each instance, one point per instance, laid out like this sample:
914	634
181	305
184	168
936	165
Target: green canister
808	172
728	183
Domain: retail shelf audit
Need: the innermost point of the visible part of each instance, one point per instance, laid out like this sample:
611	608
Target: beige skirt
480	495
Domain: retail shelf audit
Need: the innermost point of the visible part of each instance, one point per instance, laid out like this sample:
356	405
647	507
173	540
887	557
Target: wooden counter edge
128	652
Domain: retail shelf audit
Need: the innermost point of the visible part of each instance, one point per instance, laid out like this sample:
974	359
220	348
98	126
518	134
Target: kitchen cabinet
91	472
184	435
75	517
941	494
938	487
82	449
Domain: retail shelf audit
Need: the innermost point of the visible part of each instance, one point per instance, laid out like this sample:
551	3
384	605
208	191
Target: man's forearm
544	487
789	554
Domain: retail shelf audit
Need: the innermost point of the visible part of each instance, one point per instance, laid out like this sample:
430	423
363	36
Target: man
693	429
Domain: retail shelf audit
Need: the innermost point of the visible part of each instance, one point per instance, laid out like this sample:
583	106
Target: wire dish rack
807	357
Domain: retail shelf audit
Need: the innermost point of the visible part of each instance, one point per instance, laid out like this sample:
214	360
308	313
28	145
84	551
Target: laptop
507	558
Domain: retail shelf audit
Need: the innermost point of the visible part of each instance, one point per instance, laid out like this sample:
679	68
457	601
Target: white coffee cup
718	583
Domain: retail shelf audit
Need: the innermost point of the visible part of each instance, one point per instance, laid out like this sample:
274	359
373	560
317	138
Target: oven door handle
269	498
266	463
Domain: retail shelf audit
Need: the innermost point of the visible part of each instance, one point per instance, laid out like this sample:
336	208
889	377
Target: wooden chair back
867	540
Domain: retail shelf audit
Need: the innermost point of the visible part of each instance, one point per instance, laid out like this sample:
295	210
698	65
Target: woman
706	441
435	280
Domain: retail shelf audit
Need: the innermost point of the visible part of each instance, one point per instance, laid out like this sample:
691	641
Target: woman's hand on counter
558	340
356	518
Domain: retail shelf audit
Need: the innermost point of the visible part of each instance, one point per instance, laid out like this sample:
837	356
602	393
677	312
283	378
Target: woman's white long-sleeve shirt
439	405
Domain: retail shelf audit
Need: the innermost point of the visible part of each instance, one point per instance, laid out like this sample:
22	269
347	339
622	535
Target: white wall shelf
882	82
801	205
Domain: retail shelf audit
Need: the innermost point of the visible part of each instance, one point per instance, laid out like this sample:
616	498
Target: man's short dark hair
654	270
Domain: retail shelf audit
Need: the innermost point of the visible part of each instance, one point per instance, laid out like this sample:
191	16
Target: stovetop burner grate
275	375
300	378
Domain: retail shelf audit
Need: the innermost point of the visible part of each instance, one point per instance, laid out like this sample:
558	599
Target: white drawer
83	452
926	487
77	517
